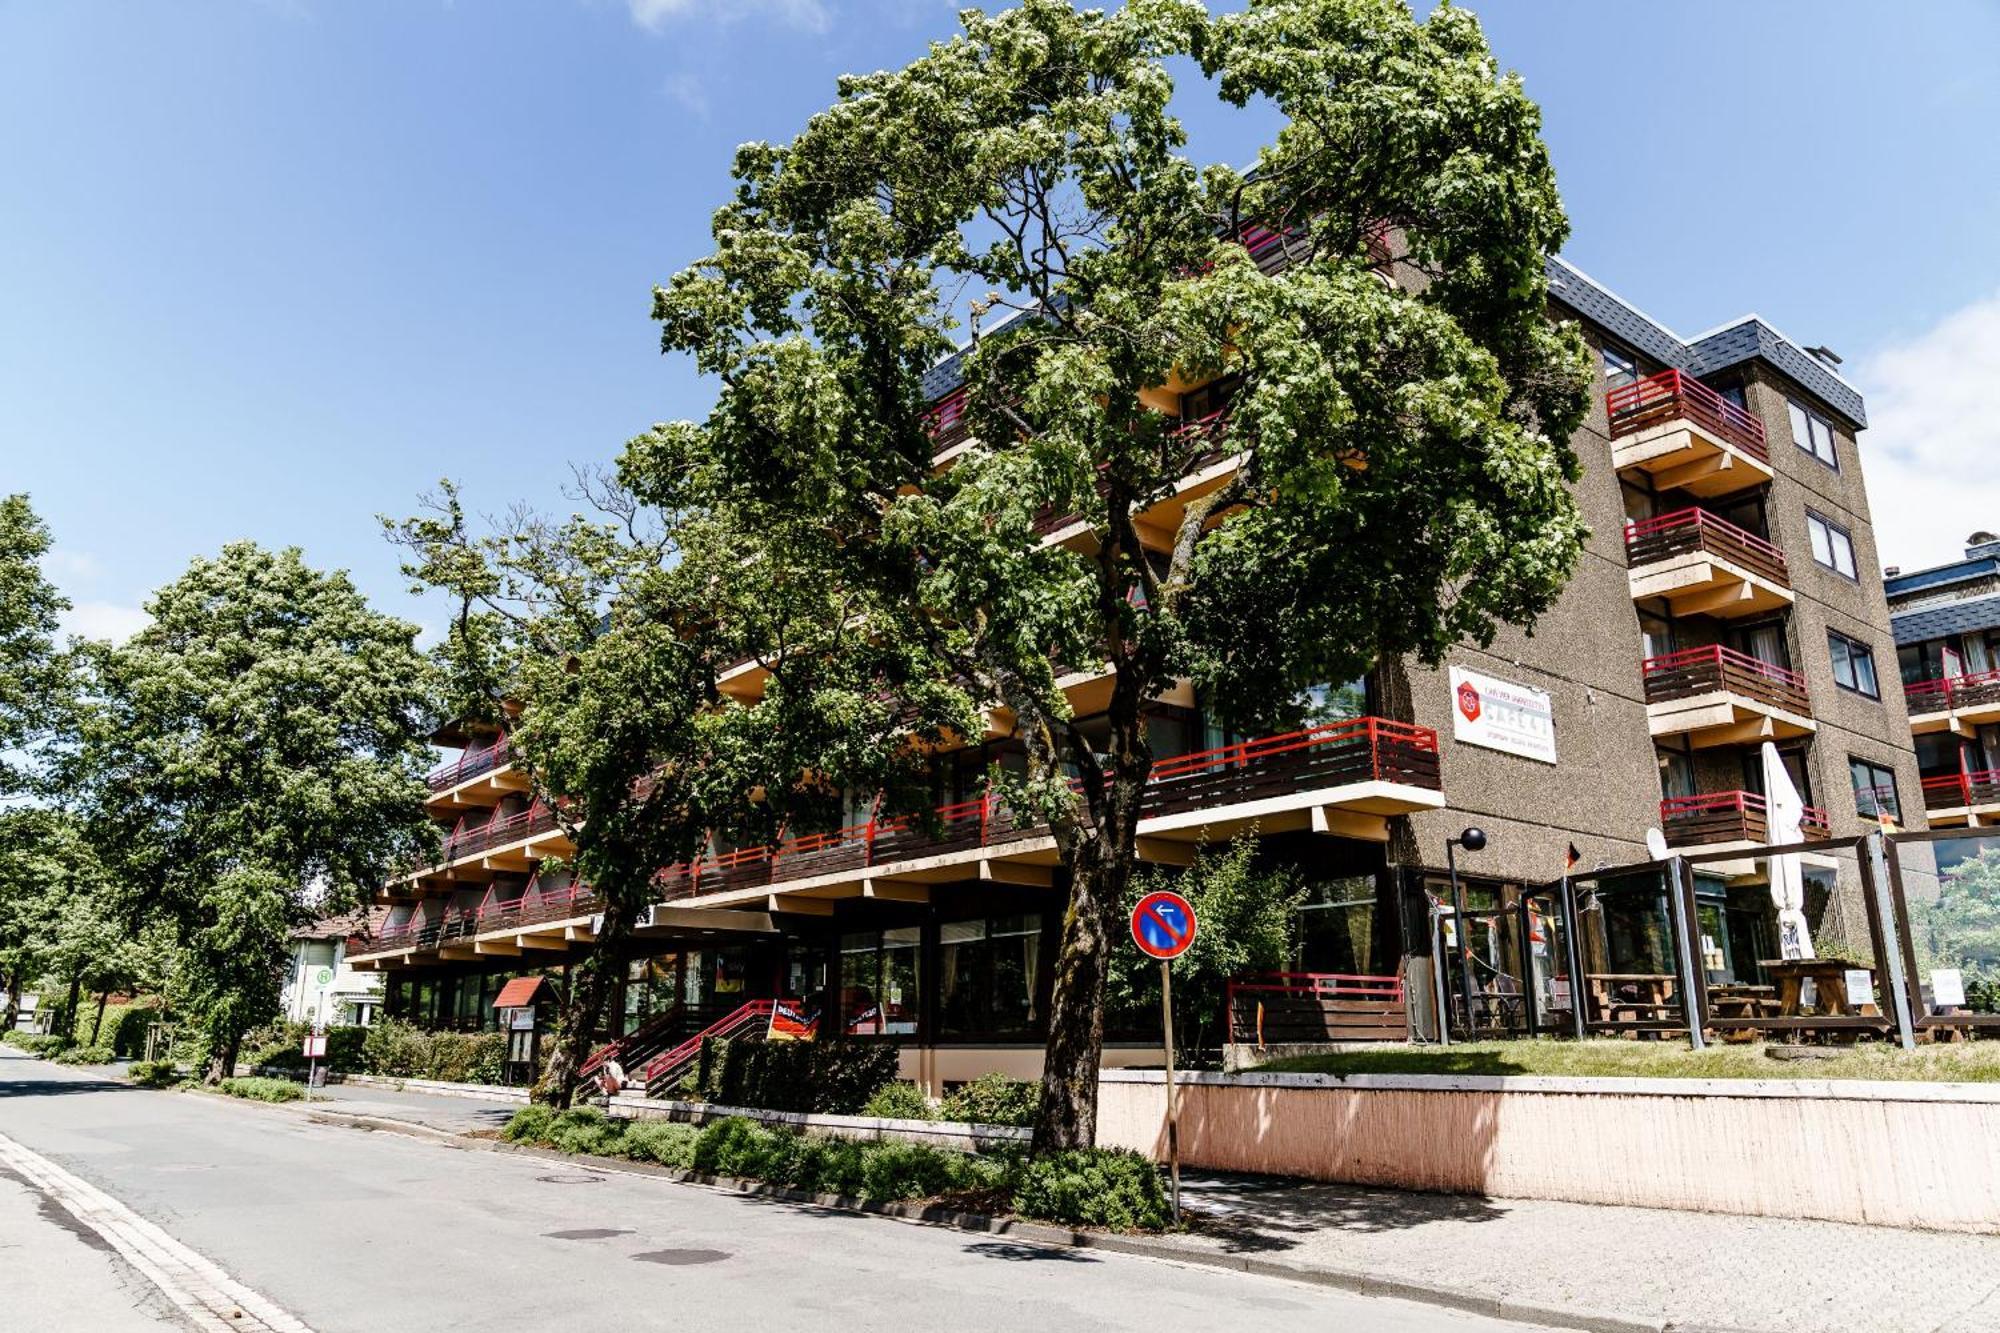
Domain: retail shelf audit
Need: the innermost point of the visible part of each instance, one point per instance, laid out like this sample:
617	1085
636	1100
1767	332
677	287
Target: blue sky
272	267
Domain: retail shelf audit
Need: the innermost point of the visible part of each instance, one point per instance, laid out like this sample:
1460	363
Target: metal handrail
1740	802
1721	656
1674	393
1700	519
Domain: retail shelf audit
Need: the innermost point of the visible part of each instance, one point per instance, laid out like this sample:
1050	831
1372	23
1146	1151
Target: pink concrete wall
1924	1155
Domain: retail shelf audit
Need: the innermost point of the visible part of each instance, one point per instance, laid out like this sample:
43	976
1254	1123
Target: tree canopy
252	758
32	667
1390	455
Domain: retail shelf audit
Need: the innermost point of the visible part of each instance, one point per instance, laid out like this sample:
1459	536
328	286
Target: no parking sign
1163	925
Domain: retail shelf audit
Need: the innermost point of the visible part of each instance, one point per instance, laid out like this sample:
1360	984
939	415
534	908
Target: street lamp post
1473	839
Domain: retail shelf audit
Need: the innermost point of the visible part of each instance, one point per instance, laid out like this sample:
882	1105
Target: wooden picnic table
1648	1001
1829	978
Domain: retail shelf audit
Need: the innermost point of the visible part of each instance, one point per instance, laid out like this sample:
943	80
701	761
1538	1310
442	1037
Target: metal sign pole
1686	946
1173	1100
1885	910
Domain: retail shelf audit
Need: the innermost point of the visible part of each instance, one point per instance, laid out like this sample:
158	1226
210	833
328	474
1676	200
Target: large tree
252	758
606	634
1403	466
32	667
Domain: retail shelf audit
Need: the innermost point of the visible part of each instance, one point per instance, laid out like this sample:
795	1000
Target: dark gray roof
1937	622
1978	564
1745	339
1748	338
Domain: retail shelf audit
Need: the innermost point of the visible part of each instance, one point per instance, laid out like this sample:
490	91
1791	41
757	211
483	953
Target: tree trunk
590	987
13	1014
222	1063
1067	1114
75	1002
97	1028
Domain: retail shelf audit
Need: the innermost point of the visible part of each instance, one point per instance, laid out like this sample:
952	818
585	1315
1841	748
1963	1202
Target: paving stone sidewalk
1695	1271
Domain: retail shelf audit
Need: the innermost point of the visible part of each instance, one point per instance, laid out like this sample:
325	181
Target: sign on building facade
1501	715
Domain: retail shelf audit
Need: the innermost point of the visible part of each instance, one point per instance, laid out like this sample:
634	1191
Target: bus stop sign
1163	925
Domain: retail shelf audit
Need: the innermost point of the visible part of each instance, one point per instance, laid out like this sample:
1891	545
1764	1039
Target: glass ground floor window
880	975
1337	928
989	978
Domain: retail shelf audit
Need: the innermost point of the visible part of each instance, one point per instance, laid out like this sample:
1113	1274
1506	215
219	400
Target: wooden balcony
1718	696
1686	435
1344	778
478	849
1970	799
534	922
1957	704
1730	820
1703	565
481	776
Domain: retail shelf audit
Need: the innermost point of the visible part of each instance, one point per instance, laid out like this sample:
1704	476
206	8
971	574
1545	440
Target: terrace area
1971	798
1730	820
1686	436
1716	695
1953	703
1704	565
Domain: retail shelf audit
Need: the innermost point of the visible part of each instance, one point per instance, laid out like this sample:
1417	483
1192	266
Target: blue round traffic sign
1163	925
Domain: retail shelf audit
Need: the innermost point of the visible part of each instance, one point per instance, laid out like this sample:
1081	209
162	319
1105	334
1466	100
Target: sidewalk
1639	1267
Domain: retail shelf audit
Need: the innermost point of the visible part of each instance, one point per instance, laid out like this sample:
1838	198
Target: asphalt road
346	1230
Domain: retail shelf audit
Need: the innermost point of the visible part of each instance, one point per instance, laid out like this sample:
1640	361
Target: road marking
209	1297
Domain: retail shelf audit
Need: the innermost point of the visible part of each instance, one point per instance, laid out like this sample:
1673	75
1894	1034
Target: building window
989	978
1853	664
1874	790
879	982
1812	433
1832	546
1620	366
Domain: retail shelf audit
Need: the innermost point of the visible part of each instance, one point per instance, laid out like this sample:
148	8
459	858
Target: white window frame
1826	551
1811	432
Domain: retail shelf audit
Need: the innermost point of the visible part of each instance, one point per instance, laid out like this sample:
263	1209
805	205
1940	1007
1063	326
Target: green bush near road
34	1043
993	1099
263	1089
84	1055
398	1050
900	1100
1094	1187
155	1073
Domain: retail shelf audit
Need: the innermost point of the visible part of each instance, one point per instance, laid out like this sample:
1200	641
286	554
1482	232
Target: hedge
993	1099
399	1050
819	1077
263	1089
84	1055
1083	1187
154	1073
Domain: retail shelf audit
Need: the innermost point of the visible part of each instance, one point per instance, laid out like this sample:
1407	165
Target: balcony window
1853	664
1812	433
1874	790
1620	366
1832	546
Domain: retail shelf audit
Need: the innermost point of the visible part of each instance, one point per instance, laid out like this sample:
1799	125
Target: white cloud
65	566
104	620
654	15
688	89
1933	437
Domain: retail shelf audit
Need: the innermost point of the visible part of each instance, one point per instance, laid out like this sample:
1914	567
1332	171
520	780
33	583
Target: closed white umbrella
1786	815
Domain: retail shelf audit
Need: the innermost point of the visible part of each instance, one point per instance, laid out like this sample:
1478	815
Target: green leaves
33	681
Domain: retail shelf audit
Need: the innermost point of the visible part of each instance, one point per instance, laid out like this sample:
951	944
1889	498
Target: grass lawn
1958	1062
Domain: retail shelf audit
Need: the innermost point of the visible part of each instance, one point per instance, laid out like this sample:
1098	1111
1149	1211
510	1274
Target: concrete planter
1896	1154
934	1133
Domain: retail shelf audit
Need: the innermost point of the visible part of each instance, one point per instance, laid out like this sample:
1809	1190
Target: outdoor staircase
664	1072
641	1044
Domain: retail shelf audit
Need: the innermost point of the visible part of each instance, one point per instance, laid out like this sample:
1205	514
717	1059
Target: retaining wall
1897	1154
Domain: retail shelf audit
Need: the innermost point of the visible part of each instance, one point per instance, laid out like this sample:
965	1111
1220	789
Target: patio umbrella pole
1573	957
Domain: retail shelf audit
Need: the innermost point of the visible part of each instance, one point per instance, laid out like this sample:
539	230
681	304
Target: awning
520	993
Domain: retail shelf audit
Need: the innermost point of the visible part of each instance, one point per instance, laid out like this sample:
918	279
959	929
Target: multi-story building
1947	623
320	987
1726	598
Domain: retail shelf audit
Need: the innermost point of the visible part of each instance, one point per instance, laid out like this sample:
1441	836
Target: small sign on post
1163	926
315	1052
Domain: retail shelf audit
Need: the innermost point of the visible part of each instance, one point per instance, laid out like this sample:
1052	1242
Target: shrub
586	1129
84	1055
155	1073
824	1077
896	1170
396	1049
899	1100
738	1147
263	1089
993	1099
830	1166
127	1030
1092	1187
34	1043
282	1046
661	1141
399	1050
530	1124
467	1057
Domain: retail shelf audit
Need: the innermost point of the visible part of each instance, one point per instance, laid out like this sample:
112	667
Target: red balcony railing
1955	791
1362	750
947	419
1672	395
470	764
1950	693
1714	669
1729	816
532	908
1650	540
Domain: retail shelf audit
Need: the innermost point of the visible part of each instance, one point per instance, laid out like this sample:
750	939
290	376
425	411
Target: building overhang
1722	717
1701	583
1681	454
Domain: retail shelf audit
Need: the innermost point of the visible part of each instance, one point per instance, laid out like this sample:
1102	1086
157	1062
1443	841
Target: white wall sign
1947	988
1500	715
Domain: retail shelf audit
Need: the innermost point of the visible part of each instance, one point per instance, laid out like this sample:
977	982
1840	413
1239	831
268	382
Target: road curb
1042	1233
